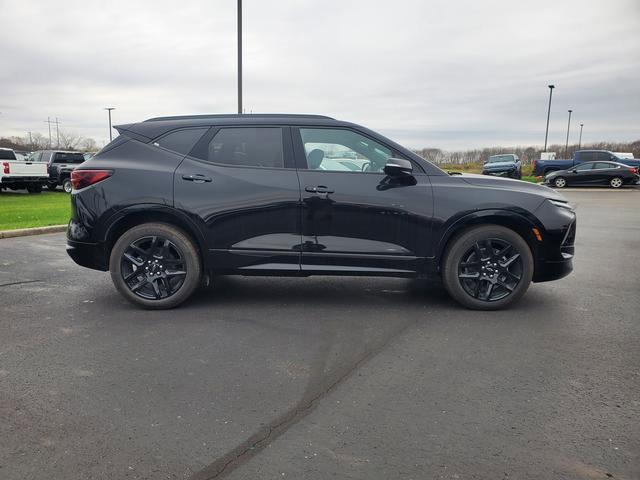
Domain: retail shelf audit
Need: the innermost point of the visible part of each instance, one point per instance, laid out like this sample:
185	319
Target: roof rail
237	115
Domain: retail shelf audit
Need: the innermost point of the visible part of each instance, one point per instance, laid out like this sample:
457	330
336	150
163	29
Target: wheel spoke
136	261
512	276
156	290
133	274
487	294
504	285
510	260
469	275
139	285
175	273
476	290
503	252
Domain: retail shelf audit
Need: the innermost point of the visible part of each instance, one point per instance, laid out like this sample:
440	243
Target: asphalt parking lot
325	377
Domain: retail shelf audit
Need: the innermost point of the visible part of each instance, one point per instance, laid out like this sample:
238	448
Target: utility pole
49	122
57	133
239	56
580	141
566	145
546	135
110	132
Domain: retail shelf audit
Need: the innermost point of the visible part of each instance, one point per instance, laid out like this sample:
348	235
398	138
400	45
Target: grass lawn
24	210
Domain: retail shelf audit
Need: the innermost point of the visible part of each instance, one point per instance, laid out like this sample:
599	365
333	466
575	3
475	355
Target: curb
23	232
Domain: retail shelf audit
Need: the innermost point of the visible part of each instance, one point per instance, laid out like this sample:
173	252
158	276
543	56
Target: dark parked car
507	165
60	163
175	200
544	167
594	173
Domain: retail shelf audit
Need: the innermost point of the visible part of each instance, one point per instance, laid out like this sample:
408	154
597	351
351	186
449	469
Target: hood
512	185
497	165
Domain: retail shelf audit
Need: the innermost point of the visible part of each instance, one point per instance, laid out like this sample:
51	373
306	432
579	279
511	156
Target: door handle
197	178
318	189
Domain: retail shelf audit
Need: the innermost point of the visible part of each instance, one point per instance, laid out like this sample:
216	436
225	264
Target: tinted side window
587	156
341	150
181	141
602	156
601	165
248	147
585	166
7	155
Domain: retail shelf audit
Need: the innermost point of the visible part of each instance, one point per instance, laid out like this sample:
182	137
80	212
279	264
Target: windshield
500	158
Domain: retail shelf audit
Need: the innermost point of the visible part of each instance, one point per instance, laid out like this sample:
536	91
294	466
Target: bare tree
69	140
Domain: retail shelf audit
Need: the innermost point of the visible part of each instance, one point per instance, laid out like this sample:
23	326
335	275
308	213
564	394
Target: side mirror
396	167
573	171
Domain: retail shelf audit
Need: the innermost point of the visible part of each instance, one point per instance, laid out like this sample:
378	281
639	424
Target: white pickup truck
17	174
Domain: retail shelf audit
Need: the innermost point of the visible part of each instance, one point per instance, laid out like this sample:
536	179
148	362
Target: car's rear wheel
560	182
155	265
34	188
66	185
616	182
52	186
487	267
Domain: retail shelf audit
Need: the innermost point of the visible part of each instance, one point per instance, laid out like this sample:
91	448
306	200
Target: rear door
355	218
240	185
603	172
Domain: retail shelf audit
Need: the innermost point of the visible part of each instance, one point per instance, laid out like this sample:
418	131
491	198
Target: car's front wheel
560	182
155	265
487	267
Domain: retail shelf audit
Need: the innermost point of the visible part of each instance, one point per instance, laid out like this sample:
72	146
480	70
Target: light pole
546	135
239	56
566	145
110	132
580	141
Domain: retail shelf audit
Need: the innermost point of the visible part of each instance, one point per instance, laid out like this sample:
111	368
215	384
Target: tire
616	182
52	186
559	182
482	250
66	185
34	188
152	289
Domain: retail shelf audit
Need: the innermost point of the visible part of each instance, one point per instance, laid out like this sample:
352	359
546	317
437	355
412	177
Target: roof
237	115
154	127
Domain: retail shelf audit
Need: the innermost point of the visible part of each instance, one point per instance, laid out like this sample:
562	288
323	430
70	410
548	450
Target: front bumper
499	173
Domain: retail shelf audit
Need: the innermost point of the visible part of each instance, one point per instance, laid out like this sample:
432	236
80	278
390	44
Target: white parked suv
18	174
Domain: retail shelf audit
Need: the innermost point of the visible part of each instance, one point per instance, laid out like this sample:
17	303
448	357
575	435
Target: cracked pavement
324	377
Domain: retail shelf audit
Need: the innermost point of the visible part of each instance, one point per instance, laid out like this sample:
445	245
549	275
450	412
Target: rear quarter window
7	155
180	141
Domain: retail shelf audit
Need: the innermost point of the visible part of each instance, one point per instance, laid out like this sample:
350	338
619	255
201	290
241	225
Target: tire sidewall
66	185
181	241
461	244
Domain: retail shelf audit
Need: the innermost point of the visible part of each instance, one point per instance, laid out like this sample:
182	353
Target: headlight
561	204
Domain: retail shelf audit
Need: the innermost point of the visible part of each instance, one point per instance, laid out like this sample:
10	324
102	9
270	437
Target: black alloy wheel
487	267
153	268
490	270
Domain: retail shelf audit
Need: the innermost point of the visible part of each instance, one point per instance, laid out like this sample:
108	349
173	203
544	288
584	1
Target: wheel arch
518	222
128	218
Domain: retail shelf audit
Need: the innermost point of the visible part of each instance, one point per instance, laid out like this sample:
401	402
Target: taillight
634	170
5	167
84	178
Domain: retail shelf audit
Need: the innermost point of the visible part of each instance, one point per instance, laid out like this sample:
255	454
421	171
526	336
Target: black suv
174	200
60	164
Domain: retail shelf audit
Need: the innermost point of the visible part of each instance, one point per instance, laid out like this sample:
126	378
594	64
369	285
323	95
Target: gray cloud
439	73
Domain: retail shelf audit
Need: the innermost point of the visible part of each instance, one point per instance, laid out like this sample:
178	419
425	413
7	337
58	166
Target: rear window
68	157
7	155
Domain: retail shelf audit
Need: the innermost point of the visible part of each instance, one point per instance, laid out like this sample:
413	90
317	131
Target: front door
240	185
355	218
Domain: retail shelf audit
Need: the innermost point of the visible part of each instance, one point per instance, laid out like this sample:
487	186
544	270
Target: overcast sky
449	74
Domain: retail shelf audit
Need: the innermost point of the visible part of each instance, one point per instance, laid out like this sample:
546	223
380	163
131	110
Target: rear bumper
90	255
22	180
